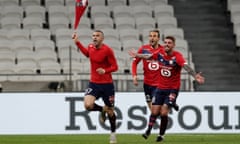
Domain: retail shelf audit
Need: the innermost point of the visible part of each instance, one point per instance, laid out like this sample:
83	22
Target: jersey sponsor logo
153	65
166	72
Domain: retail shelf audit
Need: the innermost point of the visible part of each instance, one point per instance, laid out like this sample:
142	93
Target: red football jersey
150	67
100	58
170	69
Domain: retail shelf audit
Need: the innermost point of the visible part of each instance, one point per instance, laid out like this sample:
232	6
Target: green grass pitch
122	139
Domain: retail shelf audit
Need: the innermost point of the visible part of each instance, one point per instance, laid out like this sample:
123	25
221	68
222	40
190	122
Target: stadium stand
46	56
213	52
27	3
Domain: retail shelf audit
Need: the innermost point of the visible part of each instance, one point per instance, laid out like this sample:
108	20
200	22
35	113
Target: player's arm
134	68
79	45
113	62
198	77
133	53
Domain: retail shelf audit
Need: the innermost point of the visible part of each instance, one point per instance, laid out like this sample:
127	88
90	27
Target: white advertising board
63	113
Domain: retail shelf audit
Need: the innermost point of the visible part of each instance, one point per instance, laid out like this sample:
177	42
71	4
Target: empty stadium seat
131	44
96	2
63	33
70	2
46	56
64	55
163	10
84	33
26	55
27	67
6	46
7	56
122	11
30	23
22	44
176	32
11	23
40	34
166	22
137	2
49	3
36	11
125	23
158	2
129	34
66	44
57	11
3	34
50	67
18	34
142	11
114	44
58	22
12	11
99	11
145	23
76	67
112	4
43	44
103	22
110	33
26	3
9	2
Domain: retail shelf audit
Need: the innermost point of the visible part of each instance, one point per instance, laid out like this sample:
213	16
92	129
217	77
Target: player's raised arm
79	45
134	54
198	77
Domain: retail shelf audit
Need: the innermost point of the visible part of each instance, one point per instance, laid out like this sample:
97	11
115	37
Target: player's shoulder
146	46
176	52
90	45
107	48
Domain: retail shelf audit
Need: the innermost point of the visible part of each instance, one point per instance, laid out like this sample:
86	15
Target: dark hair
100	32
171	38
157	31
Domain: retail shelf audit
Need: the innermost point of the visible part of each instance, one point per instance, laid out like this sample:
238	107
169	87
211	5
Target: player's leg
112	120
148	92
155	111
90	105
172	100
164	122
109	99
90	98
152	119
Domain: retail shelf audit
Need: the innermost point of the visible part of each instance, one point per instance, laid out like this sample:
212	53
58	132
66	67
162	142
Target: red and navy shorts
161	96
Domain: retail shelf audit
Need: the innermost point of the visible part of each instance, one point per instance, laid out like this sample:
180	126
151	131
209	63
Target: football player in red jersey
103	63
171	62
150	67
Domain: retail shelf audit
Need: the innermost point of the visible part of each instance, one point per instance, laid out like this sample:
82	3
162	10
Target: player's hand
100	71
132	53
199	78
135	80
172	97
75	36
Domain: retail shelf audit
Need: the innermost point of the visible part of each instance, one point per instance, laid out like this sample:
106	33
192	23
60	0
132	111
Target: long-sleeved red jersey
100	58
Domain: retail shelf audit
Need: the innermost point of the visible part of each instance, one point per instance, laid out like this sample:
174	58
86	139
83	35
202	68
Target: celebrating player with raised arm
103	63
170	62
